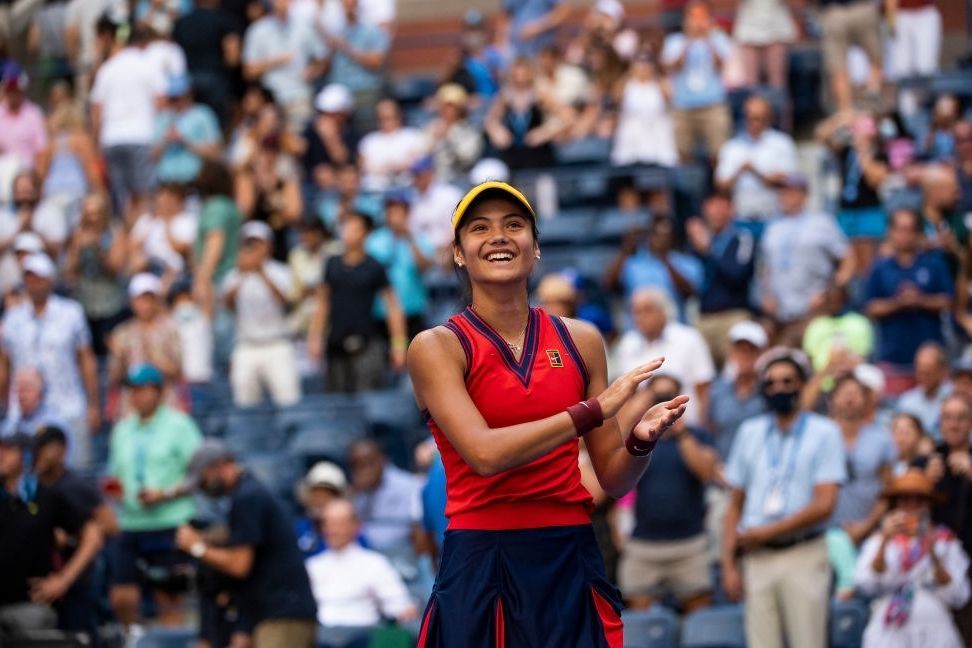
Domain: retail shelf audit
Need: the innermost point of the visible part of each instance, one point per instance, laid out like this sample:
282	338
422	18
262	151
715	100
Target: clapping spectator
907	291
917	569
186	133
764	31
28	214
453	142
532	24
258	292
161	239
329	140
386	154
939	141
23	130
846	23
837	337
521	125
432	205
925	399
354	586
735	394
695	58
911	443
480	64
643	98
754	163
307	260
195	330
68	166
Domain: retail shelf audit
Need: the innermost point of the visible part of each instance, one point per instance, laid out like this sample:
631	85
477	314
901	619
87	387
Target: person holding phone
916	568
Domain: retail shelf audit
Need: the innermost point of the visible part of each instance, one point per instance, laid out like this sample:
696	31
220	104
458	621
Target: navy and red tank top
549	376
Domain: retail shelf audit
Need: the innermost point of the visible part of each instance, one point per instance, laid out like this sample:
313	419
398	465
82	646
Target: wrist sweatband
638	448
587	415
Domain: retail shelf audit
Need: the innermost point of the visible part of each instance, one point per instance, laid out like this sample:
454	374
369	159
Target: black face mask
784	402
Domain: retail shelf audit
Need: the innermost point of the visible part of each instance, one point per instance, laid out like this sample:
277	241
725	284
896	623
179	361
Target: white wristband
197	549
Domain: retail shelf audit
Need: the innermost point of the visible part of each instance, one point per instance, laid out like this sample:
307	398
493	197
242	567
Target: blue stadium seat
326	440
593	262
583	151
847	622
251	429
556	259
653	628
168	638
715	627
558	232
612	225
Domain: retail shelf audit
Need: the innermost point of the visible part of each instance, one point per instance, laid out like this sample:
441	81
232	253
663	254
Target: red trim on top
426	622
521	515
610	620
500	627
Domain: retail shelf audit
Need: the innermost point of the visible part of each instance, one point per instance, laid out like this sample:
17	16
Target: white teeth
499	256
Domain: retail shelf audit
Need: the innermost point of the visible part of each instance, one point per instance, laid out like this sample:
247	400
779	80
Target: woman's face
521	76
906	436
496	243
93	212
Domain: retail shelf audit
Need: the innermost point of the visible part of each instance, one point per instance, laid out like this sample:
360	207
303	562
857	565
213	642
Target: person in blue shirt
533	23
657	264
405	256
907	292
186	133
784	473
324	483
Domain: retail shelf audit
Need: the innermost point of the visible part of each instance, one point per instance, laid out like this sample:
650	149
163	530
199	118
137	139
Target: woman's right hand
622	389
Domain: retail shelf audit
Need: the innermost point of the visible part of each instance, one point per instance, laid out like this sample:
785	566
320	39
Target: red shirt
549	377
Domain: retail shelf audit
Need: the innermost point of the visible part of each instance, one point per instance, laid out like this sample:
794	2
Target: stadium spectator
728	254
694	59
521	125
656	264
354	586
557	295
258	292
387	500
49	332
939	141
124	97
863	166
27	213
261	551
23	129
385	155
911	444
68	166
195	333
329	140
150	337
754	163
764	30
348	196
479	64
93	267
657	333
259	119
165	55
432	206
941	197
217	234
186	132
161	239
962	375
962	133
405	256
452	141
916	41
837	338
307	260
88	24
356	358
31	412
925	399
846	23
211	41
532	24
667	550
918	571
643	98
568	87
31	514
323	483
870	455
736	395
802	253
784	471
358	51
157	15
77	610
379	13
280	54
907	292
148	459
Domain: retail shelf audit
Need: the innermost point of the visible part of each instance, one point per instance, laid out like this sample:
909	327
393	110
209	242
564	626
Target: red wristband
587	415
638	448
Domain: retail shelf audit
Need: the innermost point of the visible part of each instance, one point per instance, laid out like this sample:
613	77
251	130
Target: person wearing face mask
784	473
261	551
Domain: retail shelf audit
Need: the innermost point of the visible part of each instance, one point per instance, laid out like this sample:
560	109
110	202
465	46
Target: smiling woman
507	391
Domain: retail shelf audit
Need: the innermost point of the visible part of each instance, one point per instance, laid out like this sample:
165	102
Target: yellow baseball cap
490	185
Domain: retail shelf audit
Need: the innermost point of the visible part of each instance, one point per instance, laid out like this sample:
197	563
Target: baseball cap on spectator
776	354
748	332
179	85
144	283
610	8
452	93
40	265
14	77
489	169
474	19
257	230
398	197
209	452
869	376
963	366
325	474
794	181
49	433
334	98
28	243
20	440
144	374
423	164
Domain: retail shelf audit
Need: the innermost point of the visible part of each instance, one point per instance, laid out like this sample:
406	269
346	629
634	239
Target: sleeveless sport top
549	377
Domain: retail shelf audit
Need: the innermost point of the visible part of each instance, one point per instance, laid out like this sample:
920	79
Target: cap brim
489	186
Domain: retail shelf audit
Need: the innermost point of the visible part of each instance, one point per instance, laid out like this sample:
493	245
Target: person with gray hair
658	333
925	399
28	388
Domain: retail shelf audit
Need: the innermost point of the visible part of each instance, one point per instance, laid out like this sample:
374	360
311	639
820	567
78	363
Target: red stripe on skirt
500	625
610	620
426	622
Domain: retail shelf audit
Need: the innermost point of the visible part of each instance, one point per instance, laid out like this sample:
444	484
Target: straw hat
912	483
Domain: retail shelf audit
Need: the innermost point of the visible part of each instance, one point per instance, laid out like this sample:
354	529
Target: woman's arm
436	364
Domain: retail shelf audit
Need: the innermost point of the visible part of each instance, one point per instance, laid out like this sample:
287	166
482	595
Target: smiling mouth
499	257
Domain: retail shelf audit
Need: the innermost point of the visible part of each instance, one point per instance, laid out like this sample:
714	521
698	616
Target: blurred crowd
222	221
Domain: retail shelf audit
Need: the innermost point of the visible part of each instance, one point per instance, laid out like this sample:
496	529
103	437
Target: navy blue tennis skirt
528	588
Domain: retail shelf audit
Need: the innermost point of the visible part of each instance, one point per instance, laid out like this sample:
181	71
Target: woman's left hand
659	418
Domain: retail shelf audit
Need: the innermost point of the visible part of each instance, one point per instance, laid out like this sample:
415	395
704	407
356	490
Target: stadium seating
168	638
715	627
653	628
847	622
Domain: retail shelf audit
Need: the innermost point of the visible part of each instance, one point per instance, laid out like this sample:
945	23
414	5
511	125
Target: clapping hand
660	418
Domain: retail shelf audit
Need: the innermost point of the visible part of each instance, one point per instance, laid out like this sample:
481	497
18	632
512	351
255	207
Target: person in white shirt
753	164
164	237
432	206
354	586
126	91
388	153
258	291
657	333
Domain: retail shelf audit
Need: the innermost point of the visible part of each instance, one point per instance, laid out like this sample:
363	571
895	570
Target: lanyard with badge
774	503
